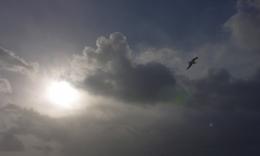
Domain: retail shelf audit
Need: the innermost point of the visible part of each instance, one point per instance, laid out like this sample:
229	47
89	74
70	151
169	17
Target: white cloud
11	62
5	86
244	26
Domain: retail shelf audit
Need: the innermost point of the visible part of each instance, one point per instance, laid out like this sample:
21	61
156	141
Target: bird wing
190	64
193	61
195	58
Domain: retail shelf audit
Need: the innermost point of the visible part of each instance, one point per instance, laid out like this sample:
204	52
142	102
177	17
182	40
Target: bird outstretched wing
193	61
190	64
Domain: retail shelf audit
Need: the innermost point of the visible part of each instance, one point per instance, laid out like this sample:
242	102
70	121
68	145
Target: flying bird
193	61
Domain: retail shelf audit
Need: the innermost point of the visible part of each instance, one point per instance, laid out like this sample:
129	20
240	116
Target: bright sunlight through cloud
62	93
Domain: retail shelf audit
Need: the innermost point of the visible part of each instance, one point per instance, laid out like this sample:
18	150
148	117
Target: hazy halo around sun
62	94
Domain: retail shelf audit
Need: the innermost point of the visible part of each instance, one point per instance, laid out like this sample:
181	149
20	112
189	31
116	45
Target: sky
98	78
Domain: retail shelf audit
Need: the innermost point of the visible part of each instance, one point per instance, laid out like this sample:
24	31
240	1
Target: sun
62	93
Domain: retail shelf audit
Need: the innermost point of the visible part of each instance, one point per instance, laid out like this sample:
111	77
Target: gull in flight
193	61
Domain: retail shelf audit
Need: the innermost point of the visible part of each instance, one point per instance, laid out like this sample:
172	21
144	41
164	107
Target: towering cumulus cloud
109	71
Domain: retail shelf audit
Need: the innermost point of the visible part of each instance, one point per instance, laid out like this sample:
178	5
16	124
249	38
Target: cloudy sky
109	78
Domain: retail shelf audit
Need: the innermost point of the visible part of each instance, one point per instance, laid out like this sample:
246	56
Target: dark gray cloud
111	72
131	130
9	142
219	90
23	130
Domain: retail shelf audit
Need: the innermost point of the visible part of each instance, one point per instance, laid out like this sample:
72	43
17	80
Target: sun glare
62	93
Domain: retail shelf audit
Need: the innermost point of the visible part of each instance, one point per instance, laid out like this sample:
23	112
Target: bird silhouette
193	61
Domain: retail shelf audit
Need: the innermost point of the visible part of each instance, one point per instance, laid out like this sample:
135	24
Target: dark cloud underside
114	73
222	91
